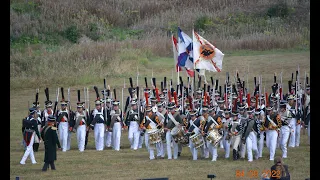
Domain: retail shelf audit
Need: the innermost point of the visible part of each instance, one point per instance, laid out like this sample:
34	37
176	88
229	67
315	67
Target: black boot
53	167
45	167
235	155
35	147
179	153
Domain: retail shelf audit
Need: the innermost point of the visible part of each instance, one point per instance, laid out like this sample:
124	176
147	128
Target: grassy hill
52	41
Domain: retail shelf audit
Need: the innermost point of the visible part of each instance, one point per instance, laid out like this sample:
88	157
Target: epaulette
54	128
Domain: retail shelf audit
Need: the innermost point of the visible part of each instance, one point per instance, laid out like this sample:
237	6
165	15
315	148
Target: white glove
136	117
119	118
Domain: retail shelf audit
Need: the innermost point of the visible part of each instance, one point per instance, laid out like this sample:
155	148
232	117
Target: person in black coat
279	170
50	138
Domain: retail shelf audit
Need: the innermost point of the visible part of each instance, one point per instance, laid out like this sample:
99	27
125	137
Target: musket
87	104
122	102
182	94
280	89
137	76
28	109
69	104
55	105
138	97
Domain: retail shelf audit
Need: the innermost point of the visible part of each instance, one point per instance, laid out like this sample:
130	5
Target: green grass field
128	164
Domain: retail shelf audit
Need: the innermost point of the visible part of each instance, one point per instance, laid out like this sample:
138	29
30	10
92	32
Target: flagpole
178	77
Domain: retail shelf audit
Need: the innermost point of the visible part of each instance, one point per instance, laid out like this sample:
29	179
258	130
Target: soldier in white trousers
81	121
116	125
226	142
151	123
243	122
30	129
133	119
174	111
213	122
260	116
251	131
285	129
162	115
194	128
272	124
38	111
64	118
293	120
108	134
98	125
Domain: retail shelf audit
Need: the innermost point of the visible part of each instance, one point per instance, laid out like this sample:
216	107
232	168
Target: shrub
278	10
203	23
72	33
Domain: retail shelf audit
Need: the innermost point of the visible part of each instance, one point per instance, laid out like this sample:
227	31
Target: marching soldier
51	141
116	125
65	120
151	122
30	126
108	134
48	109
194	128
307	110
250	135
162	115
285	128
226	120
38	111
214	122
133	119
81	121
205	148
243	121
235	133
260	117
141	137
173	120
272	123
293	121
98	125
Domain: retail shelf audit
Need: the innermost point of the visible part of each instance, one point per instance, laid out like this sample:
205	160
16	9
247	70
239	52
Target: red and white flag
206	56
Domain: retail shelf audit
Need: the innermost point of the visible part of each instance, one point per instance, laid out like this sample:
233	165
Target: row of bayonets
188	91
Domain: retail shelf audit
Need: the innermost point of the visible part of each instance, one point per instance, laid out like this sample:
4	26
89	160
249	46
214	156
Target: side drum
214	137
197	140
154	136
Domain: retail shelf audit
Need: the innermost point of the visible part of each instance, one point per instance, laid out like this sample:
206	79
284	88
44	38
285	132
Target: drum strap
196	127
161	116
153	124
172	119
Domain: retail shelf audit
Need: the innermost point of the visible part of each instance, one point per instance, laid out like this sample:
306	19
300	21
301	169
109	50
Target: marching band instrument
214	137
197	140
179	135
154	136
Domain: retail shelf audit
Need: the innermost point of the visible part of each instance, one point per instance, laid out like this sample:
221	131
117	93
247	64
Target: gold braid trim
279	120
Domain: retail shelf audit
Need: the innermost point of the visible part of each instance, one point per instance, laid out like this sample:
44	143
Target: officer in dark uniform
50	137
